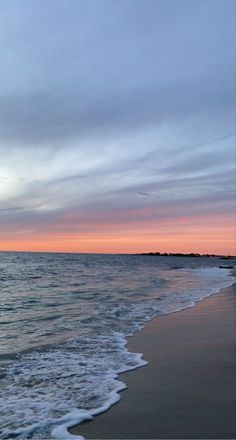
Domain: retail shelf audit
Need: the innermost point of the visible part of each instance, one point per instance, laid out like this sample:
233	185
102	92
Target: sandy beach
188	389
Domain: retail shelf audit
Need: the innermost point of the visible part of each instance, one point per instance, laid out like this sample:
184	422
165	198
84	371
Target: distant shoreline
161	254
191	255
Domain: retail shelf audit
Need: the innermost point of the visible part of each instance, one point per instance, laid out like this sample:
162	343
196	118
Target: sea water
63	327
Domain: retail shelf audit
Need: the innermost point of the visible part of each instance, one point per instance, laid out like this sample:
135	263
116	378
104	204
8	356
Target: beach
188	389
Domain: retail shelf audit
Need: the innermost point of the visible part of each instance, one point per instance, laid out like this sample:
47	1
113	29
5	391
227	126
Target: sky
117	126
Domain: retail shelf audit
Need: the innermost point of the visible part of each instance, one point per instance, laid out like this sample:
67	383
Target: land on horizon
159	254
191	254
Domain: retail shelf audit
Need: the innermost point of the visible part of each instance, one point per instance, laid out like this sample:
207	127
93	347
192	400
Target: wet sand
188	389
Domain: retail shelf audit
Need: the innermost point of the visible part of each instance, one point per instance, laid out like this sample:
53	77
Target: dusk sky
117	125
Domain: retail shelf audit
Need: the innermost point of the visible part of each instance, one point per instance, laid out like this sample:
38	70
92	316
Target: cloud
115	113
47	118
113	77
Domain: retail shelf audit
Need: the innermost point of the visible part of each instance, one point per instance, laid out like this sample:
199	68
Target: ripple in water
71	324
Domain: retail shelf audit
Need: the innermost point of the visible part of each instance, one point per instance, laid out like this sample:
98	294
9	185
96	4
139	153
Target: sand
188	390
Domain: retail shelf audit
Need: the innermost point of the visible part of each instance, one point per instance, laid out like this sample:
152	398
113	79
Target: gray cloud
44	118
115	107
115	74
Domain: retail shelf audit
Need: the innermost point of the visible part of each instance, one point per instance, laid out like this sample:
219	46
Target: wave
44	392
78	379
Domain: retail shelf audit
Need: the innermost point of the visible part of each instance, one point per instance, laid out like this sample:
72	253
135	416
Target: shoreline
188	388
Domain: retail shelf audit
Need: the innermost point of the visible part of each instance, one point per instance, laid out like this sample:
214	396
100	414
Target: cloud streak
116	116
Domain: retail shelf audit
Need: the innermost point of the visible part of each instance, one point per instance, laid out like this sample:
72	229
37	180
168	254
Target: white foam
45	386
47	392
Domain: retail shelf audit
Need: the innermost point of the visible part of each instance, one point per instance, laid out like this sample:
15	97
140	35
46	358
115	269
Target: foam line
70	383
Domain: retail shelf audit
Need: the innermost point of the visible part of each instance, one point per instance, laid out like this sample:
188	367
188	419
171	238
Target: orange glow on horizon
199	237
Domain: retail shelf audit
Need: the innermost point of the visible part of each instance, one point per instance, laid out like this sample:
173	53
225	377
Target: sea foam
48	389
46	392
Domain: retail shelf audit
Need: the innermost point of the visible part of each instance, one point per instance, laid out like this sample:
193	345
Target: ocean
64	324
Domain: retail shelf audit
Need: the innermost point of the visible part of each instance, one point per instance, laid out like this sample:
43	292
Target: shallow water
64	320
